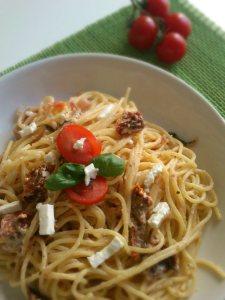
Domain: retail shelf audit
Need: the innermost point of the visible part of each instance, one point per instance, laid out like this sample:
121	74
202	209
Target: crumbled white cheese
160	212
79	144
30	113
150	177
10	207
45	173
46	219
90	173
28	129
99	257
106	111
50	157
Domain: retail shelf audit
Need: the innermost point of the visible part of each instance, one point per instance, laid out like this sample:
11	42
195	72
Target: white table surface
27	26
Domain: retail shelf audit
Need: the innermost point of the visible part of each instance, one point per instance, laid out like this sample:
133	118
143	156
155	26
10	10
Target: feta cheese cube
28	129
46	219
161	208
99	257
10	207
160	212
90	173
79	144
106	111
152	174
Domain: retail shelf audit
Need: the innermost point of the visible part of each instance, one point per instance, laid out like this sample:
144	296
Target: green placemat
203	67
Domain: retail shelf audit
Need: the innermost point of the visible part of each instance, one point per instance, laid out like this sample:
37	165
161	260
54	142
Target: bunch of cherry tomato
156	19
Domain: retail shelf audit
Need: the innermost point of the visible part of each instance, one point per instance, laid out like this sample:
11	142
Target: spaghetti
57	266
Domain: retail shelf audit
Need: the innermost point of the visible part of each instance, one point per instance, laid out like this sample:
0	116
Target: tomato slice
91	194
66	138
58	107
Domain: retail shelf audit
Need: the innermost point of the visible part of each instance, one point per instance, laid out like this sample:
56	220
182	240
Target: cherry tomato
91	194
158	8
58	107
172	48
179	23
143	32
66	138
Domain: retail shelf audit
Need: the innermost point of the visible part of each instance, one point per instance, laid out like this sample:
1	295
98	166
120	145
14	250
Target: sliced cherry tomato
66	138
91	194
179	23
143	32
58	107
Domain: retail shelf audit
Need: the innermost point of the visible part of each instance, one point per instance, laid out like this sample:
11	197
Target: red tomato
179	23
66	138
143	32
58	107
158	8
91	194
172	48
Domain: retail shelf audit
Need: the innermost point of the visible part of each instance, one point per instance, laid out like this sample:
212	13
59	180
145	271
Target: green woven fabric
203	67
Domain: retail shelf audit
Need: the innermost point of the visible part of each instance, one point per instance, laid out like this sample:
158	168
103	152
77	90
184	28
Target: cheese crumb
160	212
90	173
99	257
29	113
10	207
45	173
28	129
106	111
152	174
46	219
79	144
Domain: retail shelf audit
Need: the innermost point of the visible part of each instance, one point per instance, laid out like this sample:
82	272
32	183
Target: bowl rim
98	55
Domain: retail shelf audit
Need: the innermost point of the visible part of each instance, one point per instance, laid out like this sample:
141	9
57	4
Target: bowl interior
162	98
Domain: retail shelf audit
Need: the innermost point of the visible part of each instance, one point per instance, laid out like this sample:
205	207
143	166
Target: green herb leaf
66	176
109	164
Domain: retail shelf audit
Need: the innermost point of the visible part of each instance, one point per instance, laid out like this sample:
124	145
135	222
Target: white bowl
163	98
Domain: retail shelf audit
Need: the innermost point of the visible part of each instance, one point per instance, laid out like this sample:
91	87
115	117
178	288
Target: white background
27	26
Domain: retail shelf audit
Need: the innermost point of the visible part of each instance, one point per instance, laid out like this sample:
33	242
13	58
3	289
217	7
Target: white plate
162	98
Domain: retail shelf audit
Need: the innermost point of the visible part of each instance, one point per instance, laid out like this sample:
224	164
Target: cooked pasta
157	259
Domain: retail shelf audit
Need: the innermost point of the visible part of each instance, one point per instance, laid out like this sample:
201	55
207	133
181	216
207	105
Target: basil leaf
66	176
109	164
